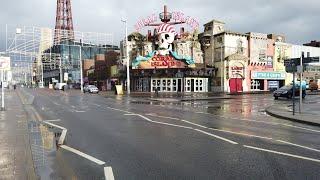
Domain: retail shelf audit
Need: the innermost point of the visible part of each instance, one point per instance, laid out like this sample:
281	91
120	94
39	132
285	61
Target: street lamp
127	56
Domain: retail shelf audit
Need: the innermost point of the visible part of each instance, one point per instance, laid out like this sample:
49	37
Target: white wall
298	49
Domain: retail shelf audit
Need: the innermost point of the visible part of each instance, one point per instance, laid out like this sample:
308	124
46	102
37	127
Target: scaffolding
32	51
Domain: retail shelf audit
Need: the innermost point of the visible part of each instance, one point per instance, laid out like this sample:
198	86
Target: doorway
235	85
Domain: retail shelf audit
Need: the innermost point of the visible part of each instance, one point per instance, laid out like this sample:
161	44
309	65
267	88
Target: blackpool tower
64	24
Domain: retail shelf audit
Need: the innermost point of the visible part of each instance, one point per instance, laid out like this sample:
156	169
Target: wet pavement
144	138
309	114
15	153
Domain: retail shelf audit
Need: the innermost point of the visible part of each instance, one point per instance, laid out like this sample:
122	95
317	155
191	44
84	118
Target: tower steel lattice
64	24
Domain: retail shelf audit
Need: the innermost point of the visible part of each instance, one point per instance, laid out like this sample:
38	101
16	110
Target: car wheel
276	97
289	96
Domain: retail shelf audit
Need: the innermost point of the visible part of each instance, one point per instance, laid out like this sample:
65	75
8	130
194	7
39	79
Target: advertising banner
268	75
4	63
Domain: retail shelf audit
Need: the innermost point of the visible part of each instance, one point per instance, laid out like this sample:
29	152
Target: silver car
90	89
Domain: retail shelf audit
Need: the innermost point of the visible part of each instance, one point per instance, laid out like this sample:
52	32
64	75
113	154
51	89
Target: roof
231	32
214	21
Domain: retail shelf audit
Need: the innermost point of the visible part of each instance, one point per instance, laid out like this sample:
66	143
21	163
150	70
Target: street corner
283	113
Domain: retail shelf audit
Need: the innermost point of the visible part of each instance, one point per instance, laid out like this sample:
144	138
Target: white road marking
186	127
218	137
53	120
119	110
243	134
289	125
56	103
51	124
202	112
195	124
91	158
96	104
263	122
305	147
154	115
282	153
79	111
62	137
130	114
108	173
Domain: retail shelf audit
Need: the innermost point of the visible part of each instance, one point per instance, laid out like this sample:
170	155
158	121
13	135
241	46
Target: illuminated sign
180	16
176	17
145	22
161	62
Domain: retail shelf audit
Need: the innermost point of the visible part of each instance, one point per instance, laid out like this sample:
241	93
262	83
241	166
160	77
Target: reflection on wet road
216	138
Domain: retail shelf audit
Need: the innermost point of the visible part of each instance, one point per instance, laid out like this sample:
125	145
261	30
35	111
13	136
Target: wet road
231	138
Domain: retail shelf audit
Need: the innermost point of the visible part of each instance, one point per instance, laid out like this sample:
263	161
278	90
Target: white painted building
230	44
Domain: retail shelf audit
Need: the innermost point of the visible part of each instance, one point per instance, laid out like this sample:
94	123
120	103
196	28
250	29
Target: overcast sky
298	20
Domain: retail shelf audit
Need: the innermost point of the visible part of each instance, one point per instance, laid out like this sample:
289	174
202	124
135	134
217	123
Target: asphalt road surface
223	138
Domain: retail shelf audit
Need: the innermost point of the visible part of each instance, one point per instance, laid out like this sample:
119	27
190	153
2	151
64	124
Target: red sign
161	62
236	68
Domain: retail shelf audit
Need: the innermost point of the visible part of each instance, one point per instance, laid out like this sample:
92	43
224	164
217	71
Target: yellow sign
119	89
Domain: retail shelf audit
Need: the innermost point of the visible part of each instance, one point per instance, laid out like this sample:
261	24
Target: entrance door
179	85
235	85
187	85
192	85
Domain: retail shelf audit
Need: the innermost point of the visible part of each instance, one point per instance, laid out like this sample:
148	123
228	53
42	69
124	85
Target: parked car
76	86
90	89
287	91
60	86
313	86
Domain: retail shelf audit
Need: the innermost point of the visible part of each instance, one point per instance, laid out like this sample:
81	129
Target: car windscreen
286	87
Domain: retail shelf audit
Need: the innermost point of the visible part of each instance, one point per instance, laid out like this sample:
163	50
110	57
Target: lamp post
127	56
222	69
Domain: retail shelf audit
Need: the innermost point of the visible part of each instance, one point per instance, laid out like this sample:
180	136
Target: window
302	53
308	54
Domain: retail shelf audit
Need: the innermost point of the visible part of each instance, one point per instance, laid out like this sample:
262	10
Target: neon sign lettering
145	21
180	16
176	16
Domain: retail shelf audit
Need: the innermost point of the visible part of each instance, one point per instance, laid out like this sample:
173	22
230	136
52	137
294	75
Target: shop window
255	84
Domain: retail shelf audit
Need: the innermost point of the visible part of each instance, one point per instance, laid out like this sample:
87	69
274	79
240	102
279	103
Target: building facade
167	60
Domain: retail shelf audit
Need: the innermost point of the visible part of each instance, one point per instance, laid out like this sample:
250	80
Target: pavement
309	115
222	138
15	153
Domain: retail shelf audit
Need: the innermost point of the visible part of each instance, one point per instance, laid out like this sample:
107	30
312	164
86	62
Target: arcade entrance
189	84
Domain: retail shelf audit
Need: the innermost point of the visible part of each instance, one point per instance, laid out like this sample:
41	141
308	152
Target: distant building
313	43
66	57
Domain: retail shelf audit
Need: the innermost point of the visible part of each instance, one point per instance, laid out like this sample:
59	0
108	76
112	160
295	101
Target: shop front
267	80
236	73
169	80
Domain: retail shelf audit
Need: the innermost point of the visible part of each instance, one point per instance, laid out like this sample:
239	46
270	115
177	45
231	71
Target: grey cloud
298	20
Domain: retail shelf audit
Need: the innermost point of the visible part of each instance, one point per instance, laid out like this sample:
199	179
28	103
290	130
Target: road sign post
293	91
300	99
4	66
